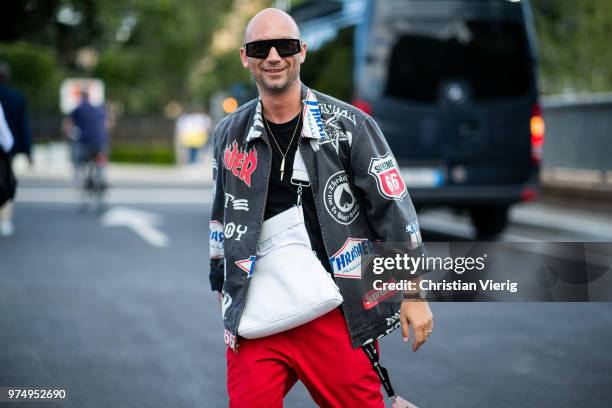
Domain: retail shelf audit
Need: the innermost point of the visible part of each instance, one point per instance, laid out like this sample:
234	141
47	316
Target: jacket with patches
359	195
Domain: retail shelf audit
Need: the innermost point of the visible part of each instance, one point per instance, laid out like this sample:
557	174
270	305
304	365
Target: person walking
16	115
6	136
7	178
192	132
304	184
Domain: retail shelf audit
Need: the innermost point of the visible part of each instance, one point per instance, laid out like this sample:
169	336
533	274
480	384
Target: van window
329	69
490	59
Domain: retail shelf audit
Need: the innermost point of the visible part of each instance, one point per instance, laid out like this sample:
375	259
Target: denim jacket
359	195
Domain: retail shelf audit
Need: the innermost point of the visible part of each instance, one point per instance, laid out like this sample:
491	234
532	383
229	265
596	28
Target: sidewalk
565	215
52	162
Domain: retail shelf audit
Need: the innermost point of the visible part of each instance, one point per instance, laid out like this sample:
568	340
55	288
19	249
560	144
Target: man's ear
244	58
303	53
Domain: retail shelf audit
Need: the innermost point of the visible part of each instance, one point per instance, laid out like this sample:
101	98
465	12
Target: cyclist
87	127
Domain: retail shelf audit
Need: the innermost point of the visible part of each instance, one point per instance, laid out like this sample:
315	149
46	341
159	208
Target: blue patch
415	234
346	263
316	114
215	240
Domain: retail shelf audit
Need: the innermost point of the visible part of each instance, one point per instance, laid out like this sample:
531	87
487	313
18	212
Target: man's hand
418	315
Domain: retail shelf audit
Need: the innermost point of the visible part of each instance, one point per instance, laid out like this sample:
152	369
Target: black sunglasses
284	46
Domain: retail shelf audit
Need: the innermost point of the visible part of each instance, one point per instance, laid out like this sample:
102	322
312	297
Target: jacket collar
256	126
311	115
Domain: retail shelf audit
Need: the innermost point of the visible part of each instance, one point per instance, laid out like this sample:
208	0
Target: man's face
274	74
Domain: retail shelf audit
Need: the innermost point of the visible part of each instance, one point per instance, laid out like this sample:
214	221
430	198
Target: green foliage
140	153
153	66
151	52
120	66
147	49
574	45
35	71
227	70
129	80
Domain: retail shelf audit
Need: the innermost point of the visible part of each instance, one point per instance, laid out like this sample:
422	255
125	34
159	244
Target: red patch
388	178
229	339
240	162
374	297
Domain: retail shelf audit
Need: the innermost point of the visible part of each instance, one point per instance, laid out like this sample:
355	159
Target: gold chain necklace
282	166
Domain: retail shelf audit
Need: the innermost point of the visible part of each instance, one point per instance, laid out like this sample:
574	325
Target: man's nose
273	55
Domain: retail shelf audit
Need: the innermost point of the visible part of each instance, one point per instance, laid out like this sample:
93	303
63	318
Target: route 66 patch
389	181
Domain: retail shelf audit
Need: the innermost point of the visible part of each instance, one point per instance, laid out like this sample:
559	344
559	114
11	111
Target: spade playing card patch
340	202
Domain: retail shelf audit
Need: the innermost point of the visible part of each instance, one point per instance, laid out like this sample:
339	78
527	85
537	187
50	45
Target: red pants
318	353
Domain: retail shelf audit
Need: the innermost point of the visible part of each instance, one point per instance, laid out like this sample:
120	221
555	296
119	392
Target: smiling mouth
274	70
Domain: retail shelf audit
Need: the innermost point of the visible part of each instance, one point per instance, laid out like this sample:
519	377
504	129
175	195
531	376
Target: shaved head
274	74
271	23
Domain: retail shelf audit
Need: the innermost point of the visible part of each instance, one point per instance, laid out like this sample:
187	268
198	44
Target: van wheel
489	220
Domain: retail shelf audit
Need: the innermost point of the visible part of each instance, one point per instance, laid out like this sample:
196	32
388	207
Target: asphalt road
120	322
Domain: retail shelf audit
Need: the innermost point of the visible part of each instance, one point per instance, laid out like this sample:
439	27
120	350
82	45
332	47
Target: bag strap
299	177
383	374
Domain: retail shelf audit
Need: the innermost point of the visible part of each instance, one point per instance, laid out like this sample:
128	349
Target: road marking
444	223
143	223
441	224
598	254
563	219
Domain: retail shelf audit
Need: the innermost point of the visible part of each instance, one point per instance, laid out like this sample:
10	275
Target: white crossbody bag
289	286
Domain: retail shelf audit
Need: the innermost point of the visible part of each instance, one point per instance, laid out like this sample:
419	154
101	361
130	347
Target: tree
574	38
35	71
146	48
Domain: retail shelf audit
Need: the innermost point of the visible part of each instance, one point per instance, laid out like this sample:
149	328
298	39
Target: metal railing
578	144
141	130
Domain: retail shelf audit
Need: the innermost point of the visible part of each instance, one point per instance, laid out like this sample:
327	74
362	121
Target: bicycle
92	182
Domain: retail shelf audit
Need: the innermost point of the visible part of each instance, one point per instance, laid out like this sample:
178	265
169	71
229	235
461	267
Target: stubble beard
277	89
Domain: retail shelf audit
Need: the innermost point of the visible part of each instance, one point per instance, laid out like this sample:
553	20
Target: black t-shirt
282	195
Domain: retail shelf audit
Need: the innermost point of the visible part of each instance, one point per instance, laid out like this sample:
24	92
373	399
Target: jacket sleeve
6	136
216	238
26	134
377	176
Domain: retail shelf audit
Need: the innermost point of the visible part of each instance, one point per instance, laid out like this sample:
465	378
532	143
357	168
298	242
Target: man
7	179
6	136
87	126
347	203
16	114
